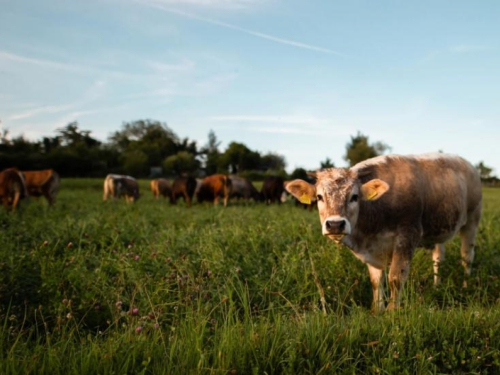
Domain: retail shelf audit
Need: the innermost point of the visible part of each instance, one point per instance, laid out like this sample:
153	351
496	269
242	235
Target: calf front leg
377	280
398	273
437	257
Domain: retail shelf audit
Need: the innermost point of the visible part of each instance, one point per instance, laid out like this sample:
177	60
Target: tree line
149	148
143	148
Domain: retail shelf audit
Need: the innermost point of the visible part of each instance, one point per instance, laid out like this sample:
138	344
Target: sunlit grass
93	287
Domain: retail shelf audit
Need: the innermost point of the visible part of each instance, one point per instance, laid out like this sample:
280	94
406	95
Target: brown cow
272	189
45	182
12	188
214	186
385	207
183	187
116	186
161	186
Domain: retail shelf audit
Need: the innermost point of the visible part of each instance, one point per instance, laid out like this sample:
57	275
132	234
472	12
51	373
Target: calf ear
303	191
374	189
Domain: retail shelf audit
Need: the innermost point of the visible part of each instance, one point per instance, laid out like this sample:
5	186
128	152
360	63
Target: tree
326	164
484	171
135	162
153	138
211	153
73	137
299	173
238	158
359	149
272	162
180	163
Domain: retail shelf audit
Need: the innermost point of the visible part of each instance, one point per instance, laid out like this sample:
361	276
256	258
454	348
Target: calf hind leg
468	236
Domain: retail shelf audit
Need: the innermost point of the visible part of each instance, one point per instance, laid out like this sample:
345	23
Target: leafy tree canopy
359	149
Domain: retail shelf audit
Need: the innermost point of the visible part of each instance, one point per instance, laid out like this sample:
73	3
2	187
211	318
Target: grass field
109	288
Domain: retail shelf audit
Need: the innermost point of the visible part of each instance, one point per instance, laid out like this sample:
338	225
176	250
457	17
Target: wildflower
119	304
45	243
69	245
135	311
137	257
138	329
156	326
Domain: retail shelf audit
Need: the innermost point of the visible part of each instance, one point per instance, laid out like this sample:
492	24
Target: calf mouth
336	237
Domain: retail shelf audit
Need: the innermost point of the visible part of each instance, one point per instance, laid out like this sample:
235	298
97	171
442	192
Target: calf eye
354	198
319	197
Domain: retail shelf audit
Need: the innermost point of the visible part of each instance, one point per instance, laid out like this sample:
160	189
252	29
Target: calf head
338	192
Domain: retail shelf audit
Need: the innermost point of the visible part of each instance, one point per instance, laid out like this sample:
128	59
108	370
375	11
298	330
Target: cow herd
16	185
210	189
381	209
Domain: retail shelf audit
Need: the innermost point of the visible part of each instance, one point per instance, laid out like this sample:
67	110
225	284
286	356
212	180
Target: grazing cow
45	182
161	186
385	207
272	189
116	186
242	188
183	187
12	188
213	187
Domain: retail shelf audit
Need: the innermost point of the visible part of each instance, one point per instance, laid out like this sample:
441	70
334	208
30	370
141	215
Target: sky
294	77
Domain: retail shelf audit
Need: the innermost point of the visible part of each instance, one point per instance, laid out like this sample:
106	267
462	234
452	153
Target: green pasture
109	288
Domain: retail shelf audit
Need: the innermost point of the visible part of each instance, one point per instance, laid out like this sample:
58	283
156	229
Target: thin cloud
40	111
246	31
8	56
161	67
466	48
288	130
222	4
298	120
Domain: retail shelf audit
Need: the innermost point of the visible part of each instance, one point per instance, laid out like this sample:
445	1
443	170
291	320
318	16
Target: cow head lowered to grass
385	207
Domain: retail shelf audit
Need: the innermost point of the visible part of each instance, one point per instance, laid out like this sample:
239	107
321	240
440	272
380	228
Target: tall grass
93	287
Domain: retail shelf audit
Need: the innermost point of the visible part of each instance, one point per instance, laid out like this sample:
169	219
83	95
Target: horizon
285	77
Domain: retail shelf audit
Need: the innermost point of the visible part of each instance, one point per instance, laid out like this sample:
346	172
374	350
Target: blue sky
294	77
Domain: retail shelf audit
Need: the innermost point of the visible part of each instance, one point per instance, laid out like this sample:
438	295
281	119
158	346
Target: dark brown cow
161	186
183	187
272	189
385	207
242	188
42	183
12	188
213	187
116	186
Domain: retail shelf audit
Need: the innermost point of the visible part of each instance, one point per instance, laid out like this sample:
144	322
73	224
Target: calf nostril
328	224
342	225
